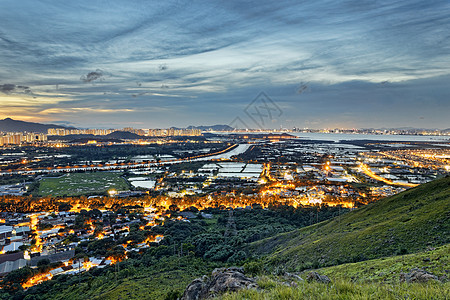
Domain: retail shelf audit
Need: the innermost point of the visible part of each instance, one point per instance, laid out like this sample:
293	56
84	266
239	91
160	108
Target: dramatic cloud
12	88
325	63
7	88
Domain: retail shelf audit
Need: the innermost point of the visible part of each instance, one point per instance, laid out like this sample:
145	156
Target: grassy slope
388	269
145	286
372	279
273	289
409	221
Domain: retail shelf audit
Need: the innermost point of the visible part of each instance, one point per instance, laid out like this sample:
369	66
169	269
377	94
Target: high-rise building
20	138
174	132
63	131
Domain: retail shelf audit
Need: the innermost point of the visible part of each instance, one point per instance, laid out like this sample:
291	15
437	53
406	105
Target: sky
255	64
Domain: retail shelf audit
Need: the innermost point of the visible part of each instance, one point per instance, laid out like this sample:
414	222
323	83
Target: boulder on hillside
293	276
417	275
195	289
314	276
222	280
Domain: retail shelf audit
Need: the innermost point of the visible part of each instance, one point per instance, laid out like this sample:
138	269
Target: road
366	170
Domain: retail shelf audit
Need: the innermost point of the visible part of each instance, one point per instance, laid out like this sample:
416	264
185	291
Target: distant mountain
116	136
212	128
73	137
123	135
10	125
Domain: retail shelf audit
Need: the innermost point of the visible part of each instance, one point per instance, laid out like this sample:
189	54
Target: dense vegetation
219	240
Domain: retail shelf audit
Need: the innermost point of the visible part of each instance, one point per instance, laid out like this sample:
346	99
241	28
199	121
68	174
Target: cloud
92	76
84	109
220	54
9	88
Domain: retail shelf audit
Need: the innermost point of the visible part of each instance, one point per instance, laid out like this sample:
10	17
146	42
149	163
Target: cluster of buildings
28	238
392	131
164	132
64	131
17	189
142	132
173	132
21	138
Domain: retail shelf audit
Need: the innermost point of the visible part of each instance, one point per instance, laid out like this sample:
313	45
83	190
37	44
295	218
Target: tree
64	207
12	282
43	262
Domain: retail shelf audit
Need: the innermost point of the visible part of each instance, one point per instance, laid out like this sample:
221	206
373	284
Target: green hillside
388	269
408	222
372	279
344	290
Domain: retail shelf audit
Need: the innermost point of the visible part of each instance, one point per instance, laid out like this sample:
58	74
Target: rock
222	280
417	275
194	290
221	270
229	280
314	276
293	276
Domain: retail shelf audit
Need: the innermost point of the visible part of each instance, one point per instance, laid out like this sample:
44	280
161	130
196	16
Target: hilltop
10	125
408	222
365	251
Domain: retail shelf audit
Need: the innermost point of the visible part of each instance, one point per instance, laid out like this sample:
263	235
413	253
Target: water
336	137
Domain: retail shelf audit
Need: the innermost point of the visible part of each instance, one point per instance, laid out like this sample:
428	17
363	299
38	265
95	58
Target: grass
156	286
77	184
407	222
372	279
272	288
388	269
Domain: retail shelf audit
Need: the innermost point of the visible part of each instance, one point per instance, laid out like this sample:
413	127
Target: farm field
77	184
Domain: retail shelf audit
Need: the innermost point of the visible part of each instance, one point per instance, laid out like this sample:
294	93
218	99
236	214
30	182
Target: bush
173	295
237	257
43	262
253	267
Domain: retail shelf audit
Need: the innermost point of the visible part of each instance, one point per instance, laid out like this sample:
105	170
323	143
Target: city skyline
148	65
